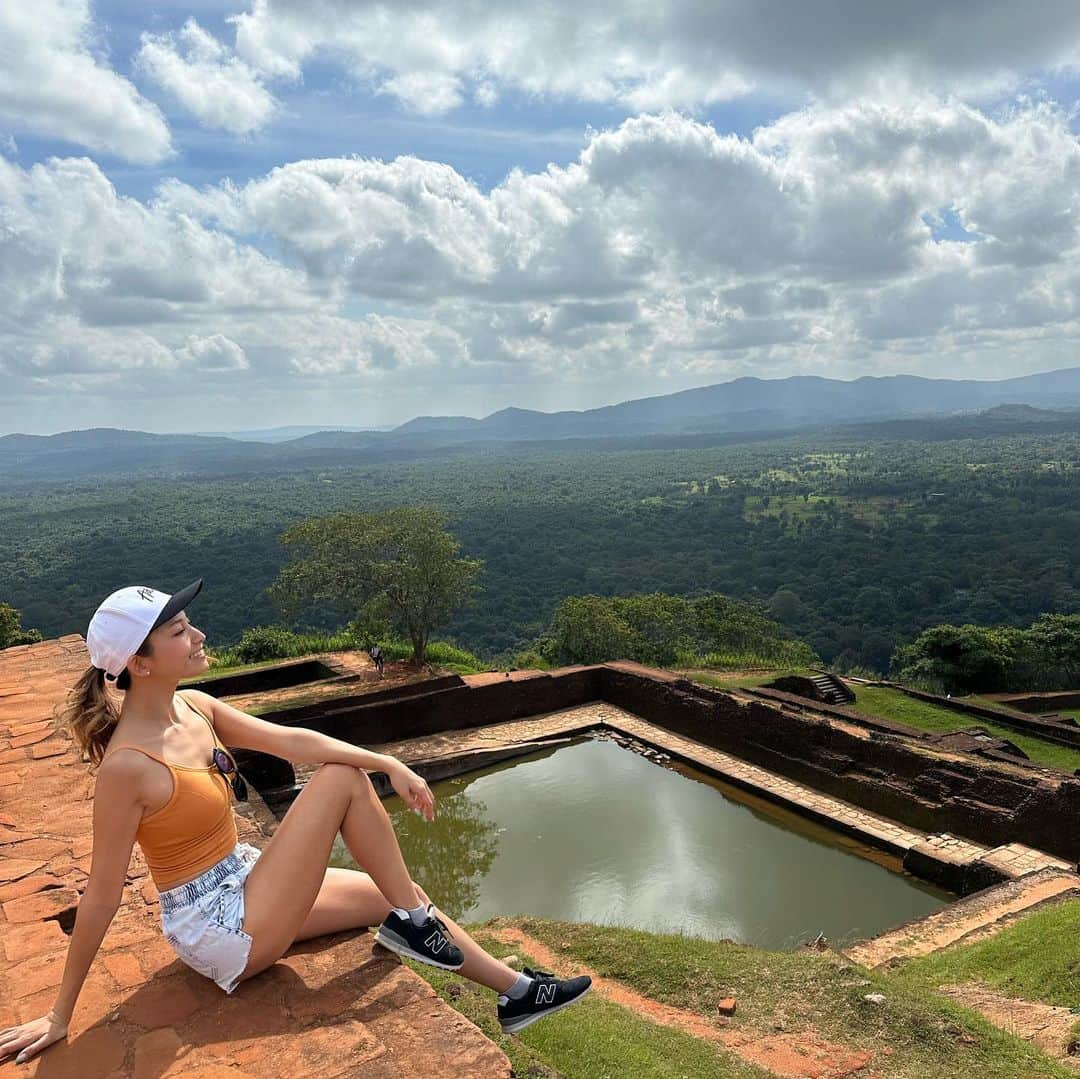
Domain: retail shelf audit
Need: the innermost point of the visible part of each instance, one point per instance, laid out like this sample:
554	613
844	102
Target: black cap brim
177	602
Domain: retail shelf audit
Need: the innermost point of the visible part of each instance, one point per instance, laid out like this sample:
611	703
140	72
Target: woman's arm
239	730
310	747
303	746
118	809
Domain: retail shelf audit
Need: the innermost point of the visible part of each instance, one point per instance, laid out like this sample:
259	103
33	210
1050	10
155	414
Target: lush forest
854	539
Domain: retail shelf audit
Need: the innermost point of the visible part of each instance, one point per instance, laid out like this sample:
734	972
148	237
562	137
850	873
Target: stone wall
1050	701
453	707
914	784
278	676
911	781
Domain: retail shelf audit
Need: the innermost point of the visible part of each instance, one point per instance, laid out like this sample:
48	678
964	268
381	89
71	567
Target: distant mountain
1013	412
746	404
280	434
901	406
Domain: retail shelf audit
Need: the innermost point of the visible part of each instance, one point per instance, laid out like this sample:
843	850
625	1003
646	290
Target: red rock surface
333	1006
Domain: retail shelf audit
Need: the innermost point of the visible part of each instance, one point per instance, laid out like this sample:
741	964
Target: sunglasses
227	767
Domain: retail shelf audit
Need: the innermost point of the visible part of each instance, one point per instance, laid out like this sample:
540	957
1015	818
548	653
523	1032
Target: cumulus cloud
823	198
53	84
201	74
667	249
213	353
683	53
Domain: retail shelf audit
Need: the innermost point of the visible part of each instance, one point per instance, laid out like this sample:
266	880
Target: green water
593	832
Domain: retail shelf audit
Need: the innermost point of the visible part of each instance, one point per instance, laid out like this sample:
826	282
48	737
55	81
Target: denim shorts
202	918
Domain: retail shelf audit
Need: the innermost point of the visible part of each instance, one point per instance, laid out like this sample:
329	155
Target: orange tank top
195	828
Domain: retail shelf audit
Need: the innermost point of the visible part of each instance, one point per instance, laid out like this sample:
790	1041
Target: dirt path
793	1055
1045	1026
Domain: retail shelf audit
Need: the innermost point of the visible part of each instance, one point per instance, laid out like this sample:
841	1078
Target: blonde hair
92	711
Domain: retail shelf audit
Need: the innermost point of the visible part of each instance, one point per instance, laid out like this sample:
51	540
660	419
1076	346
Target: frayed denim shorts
202	918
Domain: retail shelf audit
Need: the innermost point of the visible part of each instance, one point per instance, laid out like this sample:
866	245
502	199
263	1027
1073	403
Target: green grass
891	704
1037	958
594	1039
927	1035
219	670
439	654
735	680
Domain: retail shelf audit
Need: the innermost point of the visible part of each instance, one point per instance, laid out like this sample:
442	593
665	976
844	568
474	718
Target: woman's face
177	649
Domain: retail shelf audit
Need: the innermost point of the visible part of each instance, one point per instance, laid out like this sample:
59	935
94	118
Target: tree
588	629
664	624
402	562
1051	652
967	658
730	625
11	631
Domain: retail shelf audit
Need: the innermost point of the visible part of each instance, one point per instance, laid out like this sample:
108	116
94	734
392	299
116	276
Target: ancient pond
594	832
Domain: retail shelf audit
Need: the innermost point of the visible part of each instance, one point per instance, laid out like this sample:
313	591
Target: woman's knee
345	774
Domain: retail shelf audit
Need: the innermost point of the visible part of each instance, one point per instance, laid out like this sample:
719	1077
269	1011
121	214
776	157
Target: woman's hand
28	1039
413	789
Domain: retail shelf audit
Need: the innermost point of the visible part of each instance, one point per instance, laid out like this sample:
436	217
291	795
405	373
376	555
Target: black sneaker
428	942
546	995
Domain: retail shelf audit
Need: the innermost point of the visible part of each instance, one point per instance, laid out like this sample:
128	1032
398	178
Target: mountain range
745	406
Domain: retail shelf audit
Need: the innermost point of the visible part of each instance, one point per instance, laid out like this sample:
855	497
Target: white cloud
213	353
201	74
52	84
683	53
666	251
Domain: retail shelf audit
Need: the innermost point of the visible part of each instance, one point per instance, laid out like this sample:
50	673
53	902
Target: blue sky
337	211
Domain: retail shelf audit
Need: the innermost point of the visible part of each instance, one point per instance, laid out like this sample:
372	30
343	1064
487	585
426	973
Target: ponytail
92	710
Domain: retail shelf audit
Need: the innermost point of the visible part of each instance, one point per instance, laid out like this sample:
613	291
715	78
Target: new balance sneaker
546	995
428	942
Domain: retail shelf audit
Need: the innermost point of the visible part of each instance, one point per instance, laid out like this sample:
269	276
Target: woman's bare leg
285	883
479	966
349	899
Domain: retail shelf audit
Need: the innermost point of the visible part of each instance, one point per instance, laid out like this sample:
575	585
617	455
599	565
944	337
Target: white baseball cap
123	620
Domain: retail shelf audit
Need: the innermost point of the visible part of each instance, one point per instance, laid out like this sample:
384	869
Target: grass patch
220	670
741	679
927	1034
892	704
1037	958
594	1039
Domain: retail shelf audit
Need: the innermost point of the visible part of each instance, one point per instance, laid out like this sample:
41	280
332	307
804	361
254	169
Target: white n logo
436	942
545	993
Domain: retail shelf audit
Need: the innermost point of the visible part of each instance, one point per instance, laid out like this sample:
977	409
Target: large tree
402	562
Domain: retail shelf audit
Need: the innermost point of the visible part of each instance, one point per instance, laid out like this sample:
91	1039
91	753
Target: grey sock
517	990
419	914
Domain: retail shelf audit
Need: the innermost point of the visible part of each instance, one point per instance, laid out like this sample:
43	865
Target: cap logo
146	594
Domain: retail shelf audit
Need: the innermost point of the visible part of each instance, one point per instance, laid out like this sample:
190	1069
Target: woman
228	910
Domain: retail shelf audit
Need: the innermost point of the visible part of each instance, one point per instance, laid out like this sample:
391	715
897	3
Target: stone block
125	969
28	885
41	905
48	749
29	739
12	869
164	1002
34	974
156	1052
21	941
